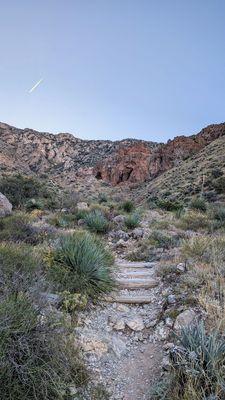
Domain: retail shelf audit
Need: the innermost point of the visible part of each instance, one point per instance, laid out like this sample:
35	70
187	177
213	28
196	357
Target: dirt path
121	338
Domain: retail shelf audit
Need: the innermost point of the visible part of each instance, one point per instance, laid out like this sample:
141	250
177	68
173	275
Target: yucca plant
81	264
132	220
200	362
96	221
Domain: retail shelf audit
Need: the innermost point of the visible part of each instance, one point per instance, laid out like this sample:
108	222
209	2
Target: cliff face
64	157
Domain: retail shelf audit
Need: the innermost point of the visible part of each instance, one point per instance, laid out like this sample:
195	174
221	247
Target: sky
113	69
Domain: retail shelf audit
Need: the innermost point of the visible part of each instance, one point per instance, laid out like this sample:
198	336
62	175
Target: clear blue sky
149	69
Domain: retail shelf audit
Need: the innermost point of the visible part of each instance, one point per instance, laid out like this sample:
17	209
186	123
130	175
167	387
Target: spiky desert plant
81	263
199	204
132	220
96	221
128	206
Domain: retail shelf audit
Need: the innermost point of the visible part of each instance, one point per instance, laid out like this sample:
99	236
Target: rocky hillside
65	158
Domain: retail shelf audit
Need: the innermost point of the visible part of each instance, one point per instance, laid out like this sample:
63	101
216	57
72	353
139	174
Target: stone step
142	274
134	264
129	299
136	283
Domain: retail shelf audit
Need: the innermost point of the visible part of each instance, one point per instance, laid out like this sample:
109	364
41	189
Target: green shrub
17	228
19	189
128	206
34	204
63	220
216	173
194	220
219	184
102	198
195	248
96	221
19	268
169	205
198	204
81	214
132	220
159	239
219	213
36	361
81	264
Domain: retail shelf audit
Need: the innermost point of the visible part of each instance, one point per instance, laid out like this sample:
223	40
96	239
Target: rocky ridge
65	158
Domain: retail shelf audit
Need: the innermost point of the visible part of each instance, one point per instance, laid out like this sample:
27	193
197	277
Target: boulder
185	319
138	233
119	219
5	206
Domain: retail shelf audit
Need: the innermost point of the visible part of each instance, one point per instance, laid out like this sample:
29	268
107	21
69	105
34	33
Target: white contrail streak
35	86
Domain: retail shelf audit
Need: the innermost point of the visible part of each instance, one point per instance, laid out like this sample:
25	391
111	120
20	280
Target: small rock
82	206
171	299
165	363
185	319
169	322
122	308
119	325
180	267
137	233
119	219
135	324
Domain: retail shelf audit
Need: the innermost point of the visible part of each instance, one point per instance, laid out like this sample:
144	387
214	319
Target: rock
119	235
93	345
166	363
137	233
122	308
119	324
171	299
185	319
5	206
180	267
121	243
118	346
82	206
119	219
80	222
135	324
52	299
169	322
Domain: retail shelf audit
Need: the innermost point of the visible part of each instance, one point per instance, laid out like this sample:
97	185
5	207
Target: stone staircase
135	281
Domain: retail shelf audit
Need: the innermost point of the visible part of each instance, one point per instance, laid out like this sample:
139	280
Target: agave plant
81	264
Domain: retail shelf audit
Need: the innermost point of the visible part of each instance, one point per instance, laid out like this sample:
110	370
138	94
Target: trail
121	337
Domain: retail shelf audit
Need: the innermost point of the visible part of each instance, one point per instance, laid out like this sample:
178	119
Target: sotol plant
81	264
96	221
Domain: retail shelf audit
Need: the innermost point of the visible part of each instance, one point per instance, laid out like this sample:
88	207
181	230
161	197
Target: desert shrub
197	367
81	264
219	184
102	198
81	214
199	204
216	173
73	301
19	268
169	205
132	221
159	239
219	213
128	206
19	189
34	204
96	221
36	362
17	228
194	220
63	220
196	248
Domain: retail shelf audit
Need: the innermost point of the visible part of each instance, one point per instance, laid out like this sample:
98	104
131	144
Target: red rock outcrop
138	163
128	164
